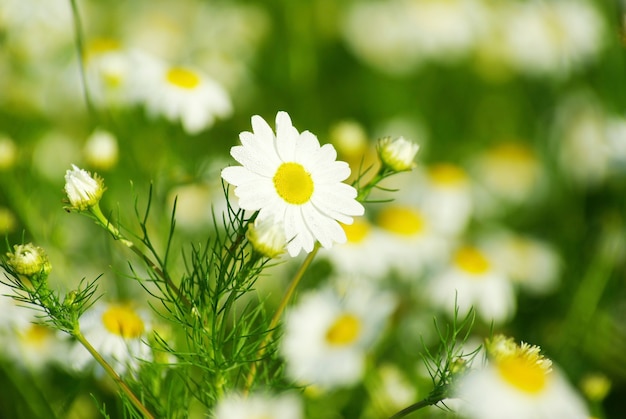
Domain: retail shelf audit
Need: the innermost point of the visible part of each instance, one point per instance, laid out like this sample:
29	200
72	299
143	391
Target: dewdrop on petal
267	237
28	260
397	153
83	190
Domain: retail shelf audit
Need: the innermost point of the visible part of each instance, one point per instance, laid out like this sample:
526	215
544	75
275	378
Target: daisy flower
291	179
472	280
185	94
518	382
259	405
327	335
118	332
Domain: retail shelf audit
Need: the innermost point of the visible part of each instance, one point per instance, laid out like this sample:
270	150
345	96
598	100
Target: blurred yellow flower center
357	231
401	220
344	331
293	183
526	373
181	77
123	321
101	46
447	174
36	334
471	260
513	152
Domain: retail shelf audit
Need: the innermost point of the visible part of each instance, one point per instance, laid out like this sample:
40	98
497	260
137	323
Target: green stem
117	235
435	397
80	48
278	314
111	372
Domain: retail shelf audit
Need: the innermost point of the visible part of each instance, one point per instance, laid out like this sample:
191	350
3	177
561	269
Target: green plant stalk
117	235
80	48
111	372
279	313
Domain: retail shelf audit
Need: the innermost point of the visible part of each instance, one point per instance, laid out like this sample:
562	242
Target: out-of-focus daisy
327	336
118	332
531	263
409	240
473	280
8	221
549	38
36	346
258	405
509	172
291	179
447	197
101	150
111	71
184	94
353	146
361	254
517	382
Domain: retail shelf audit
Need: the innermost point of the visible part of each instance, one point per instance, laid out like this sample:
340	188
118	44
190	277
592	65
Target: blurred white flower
327	336
184	94
472	280
101	150
259	405
517	383
118	332
8	152
289	178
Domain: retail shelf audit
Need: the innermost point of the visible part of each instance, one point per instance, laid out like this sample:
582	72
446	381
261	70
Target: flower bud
267	237
29	260
83	190
397	153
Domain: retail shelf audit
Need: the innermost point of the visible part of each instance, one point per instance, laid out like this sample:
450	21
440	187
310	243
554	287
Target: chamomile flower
259	405
185	94
328	335
36	346
83	189
518	382
118	332
289	178
473	280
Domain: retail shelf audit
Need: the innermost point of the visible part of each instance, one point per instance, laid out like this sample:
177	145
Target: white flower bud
82	189
267	237
397	153
28	260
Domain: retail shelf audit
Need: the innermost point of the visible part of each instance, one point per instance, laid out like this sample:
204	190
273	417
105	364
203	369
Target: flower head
82	189
267	238
259	405
517	383
289	178
397	153
28	260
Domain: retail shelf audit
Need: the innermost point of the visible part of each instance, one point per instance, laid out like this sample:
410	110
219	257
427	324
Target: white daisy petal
290	177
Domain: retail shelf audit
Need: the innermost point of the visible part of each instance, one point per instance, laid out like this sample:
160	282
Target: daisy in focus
327	335
291	179
118	332
518	383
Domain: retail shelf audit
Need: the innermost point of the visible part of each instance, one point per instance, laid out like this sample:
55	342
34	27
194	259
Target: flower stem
80	48
111	372
278	314
434	398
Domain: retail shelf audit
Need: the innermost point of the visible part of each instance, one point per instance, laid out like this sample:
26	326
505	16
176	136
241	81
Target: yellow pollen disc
471	260
293	183
100	46
181	77
401	220
123	321
344	331
36	334
525	374
357	231
447	174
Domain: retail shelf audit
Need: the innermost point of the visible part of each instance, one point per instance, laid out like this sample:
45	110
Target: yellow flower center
36	334
525	373
344	331
100	46
357	231
293	183
471	260
181	77
447	174
402	220
123	321
513	152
